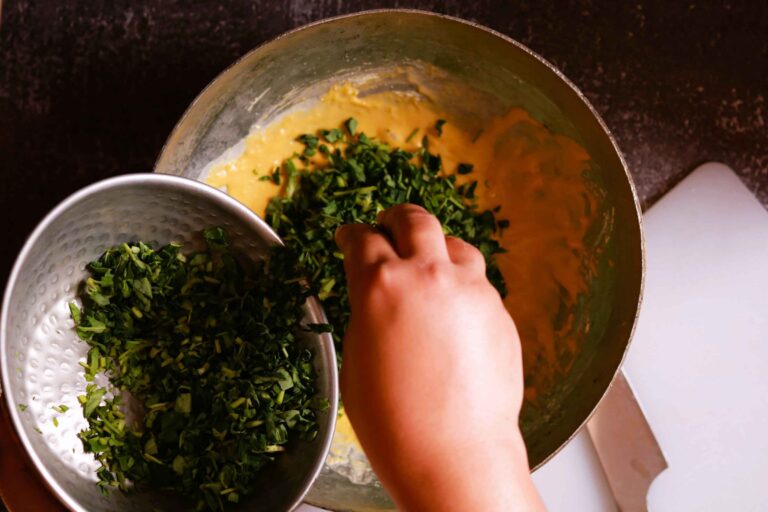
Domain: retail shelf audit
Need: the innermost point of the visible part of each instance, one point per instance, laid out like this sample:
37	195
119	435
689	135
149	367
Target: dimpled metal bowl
480	74
40	350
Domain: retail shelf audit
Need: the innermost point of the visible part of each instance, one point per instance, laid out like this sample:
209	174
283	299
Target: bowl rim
160	162
214	195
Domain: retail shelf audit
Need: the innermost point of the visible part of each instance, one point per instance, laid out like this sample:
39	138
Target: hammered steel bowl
297	68
40	351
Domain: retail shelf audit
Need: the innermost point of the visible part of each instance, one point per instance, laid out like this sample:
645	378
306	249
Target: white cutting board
699	359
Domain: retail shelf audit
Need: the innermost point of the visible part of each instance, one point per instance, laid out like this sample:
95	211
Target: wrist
487	474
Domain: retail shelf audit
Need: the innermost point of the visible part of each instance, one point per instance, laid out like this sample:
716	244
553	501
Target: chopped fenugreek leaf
332	136
439	126
351	125
465	168
207	348
310	141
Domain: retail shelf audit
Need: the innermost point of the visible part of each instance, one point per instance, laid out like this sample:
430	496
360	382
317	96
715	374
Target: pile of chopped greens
352	179
208	349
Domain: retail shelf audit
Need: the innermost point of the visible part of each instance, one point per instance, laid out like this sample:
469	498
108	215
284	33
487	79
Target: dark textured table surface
91	88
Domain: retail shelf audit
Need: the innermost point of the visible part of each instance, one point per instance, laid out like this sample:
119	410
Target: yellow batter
535	175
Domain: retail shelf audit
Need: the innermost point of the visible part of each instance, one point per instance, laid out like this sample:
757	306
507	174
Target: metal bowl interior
491	73
40	350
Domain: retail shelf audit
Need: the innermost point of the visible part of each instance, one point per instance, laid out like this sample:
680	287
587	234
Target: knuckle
468	255
475	258
385	284
439	272
382	275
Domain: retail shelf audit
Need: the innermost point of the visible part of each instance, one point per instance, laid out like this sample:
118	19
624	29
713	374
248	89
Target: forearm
492	476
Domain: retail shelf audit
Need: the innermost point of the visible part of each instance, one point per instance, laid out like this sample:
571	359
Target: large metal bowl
303	63
40	351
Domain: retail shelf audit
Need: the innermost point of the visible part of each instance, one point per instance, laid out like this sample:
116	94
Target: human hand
432	376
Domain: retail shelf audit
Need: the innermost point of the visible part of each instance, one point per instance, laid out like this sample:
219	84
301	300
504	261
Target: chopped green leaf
465	168
75	312
216	238
310	141
183	403
351	125
332	136
93	401
179	463
439	126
